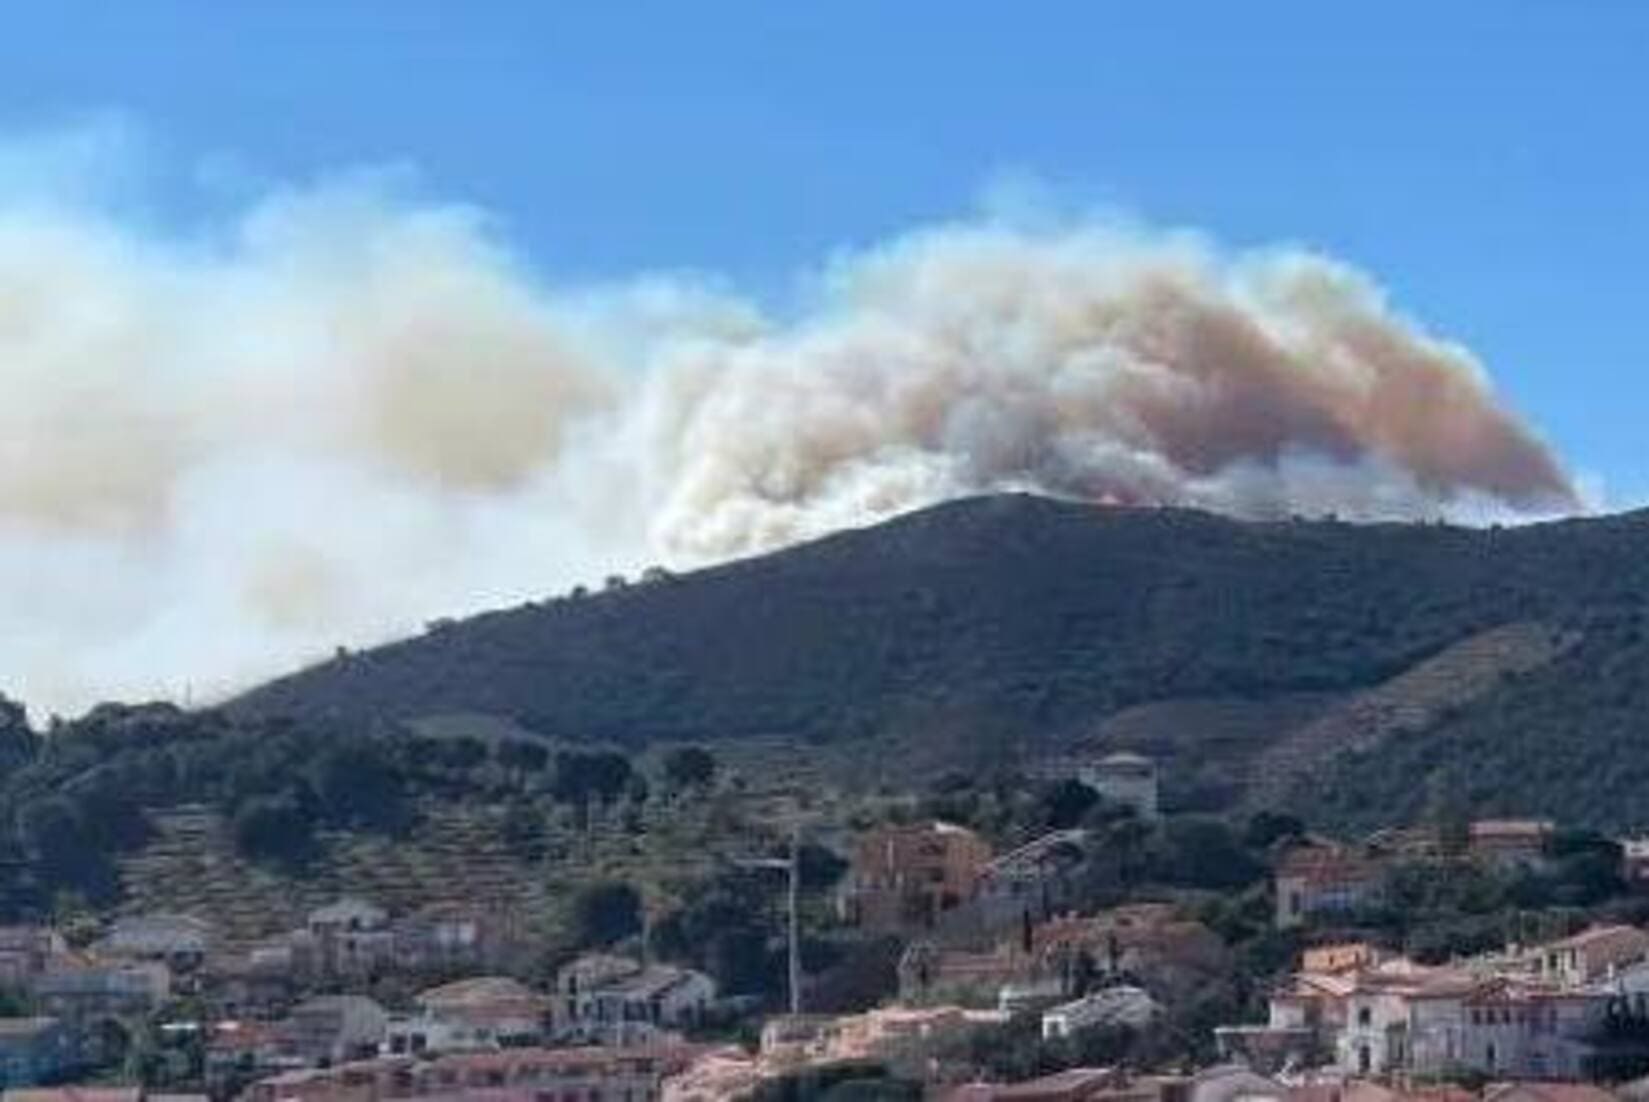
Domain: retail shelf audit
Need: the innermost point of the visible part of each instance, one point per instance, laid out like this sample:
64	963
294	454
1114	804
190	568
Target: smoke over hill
338	411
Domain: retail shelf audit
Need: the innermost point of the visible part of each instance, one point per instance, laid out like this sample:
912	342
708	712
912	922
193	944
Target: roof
74	1094
1594	936
1314	860
1038	847
344	908
1126	757
478	989
159	920
26	937
1307	985
339	1002
1071	1079
650	982
1531	829
1549	1092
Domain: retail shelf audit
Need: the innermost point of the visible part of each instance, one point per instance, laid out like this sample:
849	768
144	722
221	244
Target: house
904	1039
1510	843
1111	1006
1432	1022
349	937
1547	1092
1341	957
77	1094
1590	956
509	1075
1070	1085
617	1001
1129	780
261	984
80	992
1306	1014
481	1012
34	1050
905	878
1147	944
455	935
1316	879
331	1029
720	1075
1028	884
931	974
1234	1083
178	941
237	1052
27	951
1634	862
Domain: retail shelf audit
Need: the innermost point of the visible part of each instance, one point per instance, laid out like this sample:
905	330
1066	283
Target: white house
486	1012
1127	779
1593	955
1113	1006
1438	1021
613	1000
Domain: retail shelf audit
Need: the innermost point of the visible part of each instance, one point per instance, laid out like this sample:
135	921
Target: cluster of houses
1535	1012
87	1003
985	938
1322	878
941	878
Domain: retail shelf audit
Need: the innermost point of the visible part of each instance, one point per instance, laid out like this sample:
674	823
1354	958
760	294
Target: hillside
985	630
1355	674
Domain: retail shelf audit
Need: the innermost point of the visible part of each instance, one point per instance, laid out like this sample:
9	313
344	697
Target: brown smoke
351	414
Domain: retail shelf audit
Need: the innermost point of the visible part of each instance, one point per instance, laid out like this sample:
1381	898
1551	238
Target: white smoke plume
336	412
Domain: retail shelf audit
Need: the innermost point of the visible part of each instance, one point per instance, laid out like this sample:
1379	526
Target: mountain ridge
990	630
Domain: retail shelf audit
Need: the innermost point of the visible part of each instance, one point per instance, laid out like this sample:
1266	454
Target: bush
606	913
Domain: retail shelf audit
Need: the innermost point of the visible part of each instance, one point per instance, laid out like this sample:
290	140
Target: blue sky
1485	161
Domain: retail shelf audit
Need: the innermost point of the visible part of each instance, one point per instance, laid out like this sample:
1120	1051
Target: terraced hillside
191	866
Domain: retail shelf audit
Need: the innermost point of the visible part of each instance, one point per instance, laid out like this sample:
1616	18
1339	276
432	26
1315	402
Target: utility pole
795	920
793	893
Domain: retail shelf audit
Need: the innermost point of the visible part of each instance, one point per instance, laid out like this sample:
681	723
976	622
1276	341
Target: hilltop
985	631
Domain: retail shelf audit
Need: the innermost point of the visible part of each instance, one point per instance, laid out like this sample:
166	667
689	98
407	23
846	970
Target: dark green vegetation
981	631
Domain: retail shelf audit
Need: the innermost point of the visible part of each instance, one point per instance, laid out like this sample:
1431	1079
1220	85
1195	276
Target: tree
1203	853
583	777
359	787
66	855
1067	803
1267	828
277	829
523	831
689	767
605	913
521	757
18	742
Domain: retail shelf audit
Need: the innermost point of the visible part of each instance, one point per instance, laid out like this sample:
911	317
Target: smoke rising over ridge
338	412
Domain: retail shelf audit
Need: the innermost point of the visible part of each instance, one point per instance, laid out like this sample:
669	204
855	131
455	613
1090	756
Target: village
993	950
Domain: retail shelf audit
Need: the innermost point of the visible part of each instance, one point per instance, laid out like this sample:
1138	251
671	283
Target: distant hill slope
984	629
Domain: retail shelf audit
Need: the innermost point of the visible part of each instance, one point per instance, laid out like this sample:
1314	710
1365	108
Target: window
1364	1015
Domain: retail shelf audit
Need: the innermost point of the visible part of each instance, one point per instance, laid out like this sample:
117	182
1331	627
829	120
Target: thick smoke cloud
337	412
